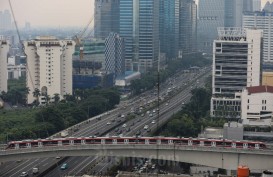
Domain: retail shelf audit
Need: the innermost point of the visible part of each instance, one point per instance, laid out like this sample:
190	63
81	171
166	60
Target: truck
35	170
64	133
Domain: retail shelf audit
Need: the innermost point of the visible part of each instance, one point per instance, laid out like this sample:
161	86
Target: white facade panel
49	63
4	49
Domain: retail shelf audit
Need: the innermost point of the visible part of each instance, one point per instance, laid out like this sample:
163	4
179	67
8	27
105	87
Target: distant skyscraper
27	26
106	17
115	55
139	25
169	27
211	15
187	26
5	20
4	49
49	64
220	13
264	21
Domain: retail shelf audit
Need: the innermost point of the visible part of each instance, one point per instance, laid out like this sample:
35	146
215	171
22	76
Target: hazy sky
54	12
51	12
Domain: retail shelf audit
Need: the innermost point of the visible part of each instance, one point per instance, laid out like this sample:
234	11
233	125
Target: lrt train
72	141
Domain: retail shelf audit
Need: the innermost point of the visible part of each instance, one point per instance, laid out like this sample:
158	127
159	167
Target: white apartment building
257	103
4	49
49	63
236	64
263	21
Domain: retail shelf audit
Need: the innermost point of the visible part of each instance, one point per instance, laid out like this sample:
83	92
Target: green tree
56	98
36	93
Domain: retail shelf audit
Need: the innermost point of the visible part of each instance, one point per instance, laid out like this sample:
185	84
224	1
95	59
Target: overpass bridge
226	158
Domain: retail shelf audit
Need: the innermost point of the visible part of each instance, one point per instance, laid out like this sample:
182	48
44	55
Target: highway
95	126
165	112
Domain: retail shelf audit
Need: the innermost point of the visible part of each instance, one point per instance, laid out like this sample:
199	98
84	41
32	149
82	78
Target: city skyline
74	13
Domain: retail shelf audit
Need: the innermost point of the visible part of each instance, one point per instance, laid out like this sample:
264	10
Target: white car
153	122
108	123
124	125
154	111
24	174
146	127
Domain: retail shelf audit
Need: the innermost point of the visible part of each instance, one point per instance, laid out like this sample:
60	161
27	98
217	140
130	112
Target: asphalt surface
79	165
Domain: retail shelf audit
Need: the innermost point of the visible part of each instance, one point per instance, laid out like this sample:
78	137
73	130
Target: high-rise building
115	55
264	21
236	64
106	17
139	25
49	63
187	26
220	13
169	27
5	20
4	49
211	15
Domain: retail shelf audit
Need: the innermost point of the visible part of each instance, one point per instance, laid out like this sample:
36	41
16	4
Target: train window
141	141
184	142
77	141
251	145
108	141
239	145
207	143
146	141
132	141
220	143
195	142
152	141
22	145
262	146
228	144
34	144
65	142
163	141
176	141
120	141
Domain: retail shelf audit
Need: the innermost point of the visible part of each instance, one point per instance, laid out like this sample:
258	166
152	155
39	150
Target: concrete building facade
4	49
49	62
257	103
236	64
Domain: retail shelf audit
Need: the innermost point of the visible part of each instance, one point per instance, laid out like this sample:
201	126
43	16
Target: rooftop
260	89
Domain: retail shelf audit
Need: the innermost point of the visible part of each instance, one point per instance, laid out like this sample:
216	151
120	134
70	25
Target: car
24	174
122	116
146	127
154	111
133	123
139	120
167	104
58	157
64	166
128	129
108	123
138	133
124	125
142	115
153	122
151	115
183	103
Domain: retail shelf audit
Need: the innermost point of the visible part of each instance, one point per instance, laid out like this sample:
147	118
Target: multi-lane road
78	165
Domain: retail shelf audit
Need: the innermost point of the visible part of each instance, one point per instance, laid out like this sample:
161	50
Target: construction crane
78	37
